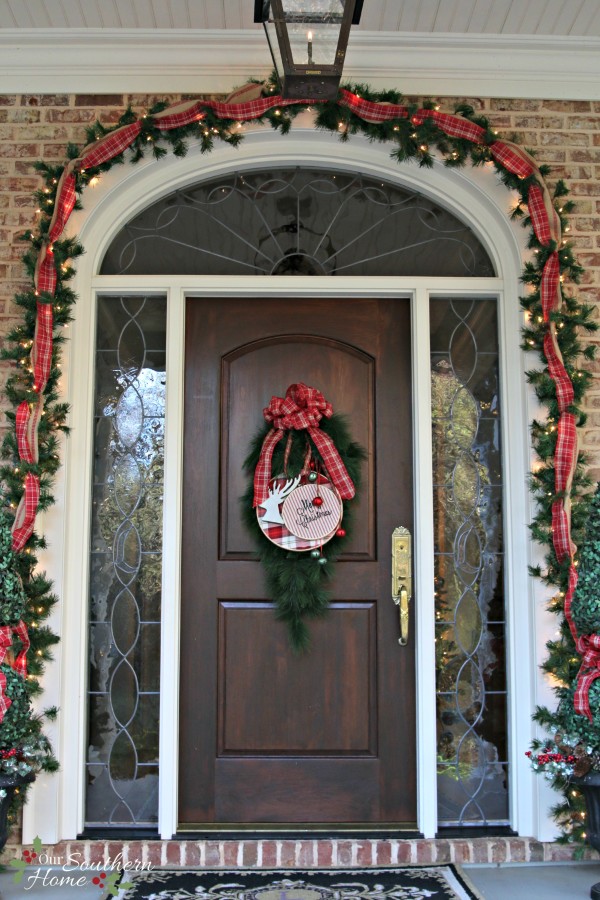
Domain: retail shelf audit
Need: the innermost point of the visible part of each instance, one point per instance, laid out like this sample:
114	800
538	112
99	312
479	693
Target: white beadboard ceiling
538	48
524	17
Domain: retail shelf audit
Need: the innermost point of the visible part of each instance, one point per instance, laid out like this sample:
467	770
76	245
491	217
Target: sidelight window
126	562
469	563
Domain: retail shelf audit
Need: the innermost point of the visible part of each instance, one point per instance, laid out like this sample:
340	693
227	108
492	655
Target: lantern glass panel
313	29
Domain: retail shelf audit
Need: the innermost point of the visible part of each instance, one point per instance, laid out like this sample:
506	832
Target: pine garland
295	581
411	140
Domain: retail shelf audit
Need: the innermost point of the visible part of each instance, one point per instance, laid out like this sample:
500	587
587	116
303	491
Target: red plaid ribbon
41	350
5	643
564	386
108	147
371	111
65	201
539	214
513	158
302	407
20	663
550	286
561	531
565	453
26	429
455	126
26	511
588	646
45	271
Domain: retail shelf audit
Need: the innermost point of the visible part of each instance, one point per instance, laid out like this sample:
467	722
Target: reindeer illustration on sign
278	491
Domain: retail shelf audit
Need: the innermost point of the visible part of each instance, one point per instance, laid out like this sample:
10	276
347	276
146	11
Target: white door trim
56	810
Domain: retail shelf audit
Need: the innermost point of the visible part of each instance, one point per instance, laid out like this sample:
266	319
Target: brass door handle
402	578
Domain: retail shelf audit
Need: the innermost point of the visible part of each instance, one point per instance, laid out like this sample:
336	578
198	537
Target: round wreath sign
298	511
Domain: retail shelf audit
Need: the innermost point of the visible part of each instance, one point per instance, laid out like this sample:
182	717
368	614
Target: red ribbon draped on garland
245	105
20	662
302	407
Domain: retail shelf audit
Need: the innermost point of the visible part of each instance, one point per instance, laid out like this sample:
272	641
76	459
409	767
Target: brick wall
563	134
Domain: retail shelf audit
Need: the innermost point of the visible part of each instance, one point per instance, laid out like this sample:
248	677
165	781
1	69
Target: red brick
29	150
567	105
191	851
99	100
230	853
462	851
74	850
589	123
404	852
288	853
83	116
269	854
499	851
517	851
344	853
212	854
383	853
44	100
133	852
442	851
536	851
154	853
96	852
481	852
425	852
249	853
173	851
18	115
113	849
325	851
506	103
365	853
305	853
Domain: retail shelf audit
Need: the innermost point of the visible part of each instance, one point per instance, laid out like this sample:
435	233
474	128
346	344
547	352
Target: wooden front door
268	736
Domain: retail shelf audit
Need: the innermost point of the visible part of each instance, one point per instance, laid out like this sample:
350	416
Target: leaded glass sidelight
470	621
126	562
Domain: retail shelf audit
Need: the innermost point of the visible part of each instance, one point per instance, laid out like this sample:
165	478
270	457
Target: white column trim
424	599
171	578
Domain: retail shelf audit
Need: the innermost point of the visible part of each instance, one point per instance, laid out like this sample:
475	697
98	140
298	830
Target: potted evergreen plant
570	757
24	748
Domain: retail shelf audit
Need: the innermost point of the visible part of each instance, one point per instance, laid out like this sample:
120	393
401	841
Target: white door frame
55	810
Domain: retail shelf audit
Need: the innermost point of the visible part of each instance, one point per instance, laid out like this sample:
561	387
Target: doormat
410	883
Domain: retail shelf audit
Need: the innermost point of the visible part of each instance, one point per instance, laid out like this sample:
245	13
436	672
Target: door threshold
266	830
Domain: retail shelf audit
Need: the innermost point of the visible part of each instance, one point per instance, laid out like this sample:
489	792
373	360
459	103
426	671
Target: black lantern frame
310	80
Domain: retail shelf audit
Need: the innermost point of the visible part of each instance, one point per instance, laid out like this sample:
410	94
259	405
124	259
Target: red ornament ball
341	532
317	501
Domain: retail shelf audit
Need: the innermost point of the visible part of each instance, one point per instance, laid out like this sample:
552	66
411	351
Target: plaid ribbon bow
302	407
20	663
589	647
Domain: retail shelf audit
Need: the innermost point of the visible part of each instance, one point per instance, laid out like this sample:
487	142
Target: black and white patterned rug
408	883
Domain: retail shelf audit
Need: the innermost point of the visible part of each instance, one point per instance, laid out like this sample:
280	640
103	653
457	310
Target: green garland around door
304	470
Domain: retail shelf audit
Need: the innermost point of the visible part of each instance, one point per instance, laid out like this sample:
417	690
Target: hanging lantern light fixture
308	41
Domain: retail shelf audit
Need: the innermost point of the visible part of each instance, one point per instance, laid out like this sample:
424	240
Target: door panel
335	721
269	736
